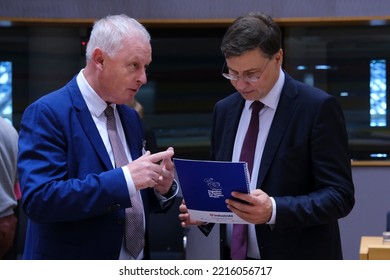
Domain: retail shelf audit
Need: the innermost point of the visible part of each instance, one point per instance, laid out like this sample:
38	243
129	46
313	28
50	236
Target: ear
98	57
279	57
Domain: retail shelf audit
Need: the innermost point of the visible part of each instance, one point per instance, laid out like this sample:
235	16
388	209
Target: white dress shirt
266	115
96	106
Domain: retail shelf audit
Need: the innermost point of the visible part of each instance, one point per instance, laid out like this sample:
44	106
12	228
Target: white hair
109	32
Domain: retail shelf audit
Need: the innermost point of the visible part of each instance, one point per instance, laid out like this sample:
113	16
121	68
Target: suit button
113	207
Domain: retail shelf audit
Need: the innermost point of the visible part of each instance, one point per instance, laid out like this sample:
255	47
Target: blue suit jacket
73	197
305	167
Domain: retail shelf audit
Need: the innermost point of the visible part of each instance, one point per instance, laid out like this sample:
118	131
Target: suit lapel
286	107
87	123
232	120
131	132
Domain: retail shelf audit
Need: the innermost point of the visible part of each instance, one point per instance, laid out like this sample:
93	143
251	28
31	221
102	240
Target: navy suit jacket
73	197
305	167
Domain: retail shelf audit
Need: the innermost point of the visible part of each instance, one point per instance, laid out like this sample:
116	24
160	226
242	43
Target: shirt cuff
129	181
164	200
273	216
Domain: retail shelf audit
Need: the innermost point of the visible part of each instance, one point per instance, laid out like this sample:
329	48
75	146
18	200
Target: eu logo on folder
206	184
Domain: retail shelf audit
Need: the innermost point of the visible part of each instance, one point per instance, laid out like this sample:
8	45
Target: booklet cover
206	184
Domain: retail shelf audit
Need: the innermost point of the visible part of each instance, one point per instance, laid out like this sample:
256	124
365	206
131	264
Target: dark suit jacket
305	167
73	197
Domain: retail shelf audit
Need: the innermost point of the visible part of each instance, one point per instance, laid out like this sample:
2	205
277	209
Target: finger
257	192
170	149
166	173
238	205
183	208
183	216
157	157
233	203
242	196
146	154
167	163
169	159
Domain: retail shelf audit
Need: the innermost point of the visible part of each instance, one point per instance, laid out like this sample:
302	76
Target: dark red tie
239	244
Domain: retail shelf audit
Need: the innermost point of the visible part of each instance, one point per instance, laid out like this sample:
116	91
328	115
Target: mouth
246	92
133	90
249	95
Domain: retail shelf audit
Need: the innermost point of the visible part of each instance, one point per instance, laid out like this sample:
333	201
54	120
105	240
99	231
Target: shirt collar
95	103
271	100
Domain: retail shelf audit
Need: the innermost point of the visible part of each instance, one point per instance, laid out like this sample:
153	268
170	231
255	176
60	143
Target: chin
249	97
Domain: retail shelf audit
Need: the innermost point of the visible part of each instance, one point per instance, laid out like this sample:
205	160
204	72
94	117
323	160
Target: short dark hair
254	30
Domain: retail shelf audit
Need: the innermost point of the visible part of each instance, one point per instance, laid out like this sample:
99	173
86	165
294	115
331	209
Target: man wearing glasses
301	181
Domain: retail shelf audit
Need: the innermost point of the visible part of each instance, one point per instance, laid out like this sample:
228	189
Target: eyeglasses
250	78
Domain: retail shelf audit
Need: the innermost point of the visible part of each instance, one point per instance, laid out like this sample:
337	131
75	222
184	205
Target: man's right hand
146	170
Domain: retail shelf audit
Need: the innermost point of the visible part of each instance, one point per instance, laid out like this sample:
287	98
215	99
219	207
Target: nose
142	78
240	83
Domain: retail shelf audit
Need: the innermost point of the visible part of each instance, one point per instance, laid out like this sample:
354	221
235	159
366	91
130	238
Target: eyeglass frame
251	80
